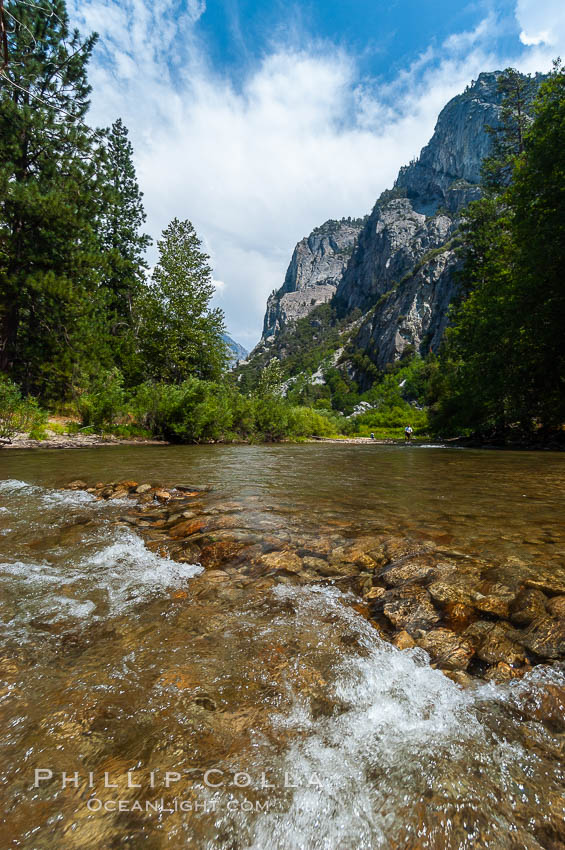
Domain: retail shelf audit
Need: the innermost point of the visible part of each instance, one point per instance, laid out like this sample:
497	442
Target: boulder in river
545	637
448	650
402	640
77	485
410	608
529	605
496	642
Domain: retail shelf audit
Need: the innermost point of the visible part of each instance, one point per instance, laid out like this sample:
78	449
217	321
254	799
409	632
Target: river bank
77	441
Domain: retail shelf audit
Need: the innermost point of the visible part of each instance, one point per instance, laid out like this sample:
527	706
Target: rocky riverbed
227	647
473	619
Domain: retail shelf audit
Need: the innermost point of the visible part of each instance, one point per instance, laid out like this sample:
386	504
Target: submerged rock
528	606
503	672
412	570
282	561
545	637
556	606
451	592
495	602
546	706
553	585
495	642
410	608
187	527
448	650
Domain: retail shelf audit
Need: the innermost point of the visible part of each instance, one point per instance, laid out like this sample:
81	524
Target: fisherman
372	436
408	433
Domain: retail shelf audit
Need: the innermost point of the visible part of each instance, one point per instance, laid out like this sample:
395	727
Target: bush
199	411
193	411
38	433
17	413
105	402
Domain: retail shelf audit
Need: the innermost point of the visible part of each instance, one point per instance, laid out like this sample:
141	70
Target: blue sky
384	36
260	120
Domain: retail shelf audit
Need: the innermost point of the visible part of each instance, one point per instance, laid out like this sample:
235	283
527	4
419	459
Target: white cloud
542	22
300	140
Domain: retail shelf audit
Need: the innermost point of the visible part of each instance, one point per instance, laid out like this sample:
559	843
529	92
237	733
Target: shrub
38	433
17	413
105	401
190	412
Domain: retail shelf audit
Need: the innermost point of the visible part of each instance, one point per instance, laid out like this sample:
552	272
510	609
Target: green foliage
179	335
105	402
271	380
38	433
49	202
504	359
398	399
17	414
203	411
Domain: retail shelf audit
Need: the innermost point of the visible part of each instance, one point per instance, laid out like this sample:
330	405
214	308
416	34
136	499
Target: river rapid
151	699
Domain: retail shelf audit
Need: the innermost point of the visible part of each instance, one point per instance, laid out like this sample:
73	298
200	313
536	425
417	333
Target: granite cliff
396	269
316	267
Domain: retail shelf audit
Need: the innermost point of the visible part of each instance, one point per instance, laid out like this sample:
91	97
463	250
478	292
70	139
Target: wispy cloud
256	166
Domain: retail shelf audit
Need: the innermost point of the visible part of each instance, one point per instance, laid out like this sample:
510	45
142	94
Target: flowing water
142	706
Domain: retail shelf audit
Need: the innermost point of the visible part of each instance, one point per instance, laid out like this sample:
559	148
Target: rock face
398	267
316	267
404	268
448	170
405	258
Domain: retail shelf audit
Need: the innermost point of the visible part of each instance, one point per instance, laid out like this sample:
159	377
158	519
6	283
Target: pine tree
124	247
537	199
518	92
49	200
123	218
180	336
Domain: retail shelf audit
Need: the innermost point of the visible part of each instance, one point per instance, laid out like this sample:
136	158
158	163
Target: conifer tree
504	356
180	335
518	92
49	200
124	247
122	220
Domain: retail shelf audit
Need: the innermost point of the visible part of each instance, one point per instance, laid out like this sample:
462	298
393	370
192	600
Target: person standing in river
408	433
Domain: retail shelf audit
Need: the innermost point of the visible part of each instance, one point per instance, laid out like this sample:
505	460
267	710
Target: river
151	702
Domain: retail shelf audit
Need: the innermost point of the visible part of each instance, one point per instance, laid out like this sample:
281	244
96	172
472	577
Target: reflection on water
281	717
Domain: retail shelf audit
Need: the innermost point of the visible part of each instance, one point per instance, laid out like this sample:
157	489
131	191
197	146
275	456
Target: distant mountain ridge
237	351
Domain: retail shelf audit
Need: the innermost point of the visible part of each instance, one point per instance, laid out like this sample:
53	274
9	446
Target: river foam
406	758
86	570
